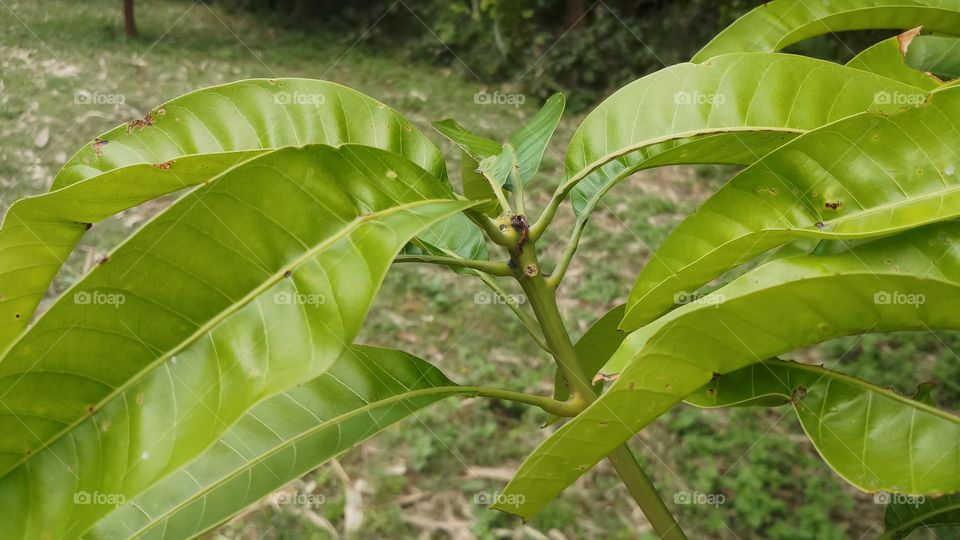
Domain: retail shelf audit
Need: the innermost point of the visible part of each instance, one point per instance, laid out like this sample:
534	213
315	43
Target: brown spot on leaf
287	274
906	39
98	145
103	260
798	394
604	377
140	123
165	165
833	205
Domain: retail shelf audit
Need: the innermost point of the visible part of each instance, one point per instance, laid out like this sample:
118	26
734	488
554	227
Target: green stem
543	299
488	267
645	494
549	405
488	226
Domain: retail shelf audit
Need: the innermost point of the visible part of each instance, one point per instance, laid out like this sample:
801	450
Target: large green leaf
868	175
774	25
888	58
869	435
909	514
783	305
186	142
280	440
245	287
733	109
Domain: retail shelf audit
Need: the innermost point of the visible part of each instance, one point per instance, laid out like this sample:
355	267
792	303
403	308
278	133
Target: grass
424	476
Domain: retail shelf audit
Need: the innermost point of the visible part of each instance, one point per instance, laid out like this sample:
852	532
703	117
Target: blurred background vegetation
428	58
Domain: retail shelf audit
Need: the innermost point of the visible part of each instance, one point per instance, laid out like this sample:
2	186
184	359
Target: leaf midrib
439	390
220	317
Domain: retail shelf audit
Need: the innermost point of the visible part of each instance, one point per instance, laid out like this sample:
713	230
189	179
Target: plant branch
488	267
645	494
542	297
549	405
488	226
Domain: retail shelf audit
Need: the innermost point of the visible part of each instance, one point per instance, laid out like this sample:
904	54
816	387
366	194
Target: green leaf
772	26
280	440
734	109
781	306
939	55
476	187
908	514
594	348
531	140
888	59
499	168
865	176
188	141
243	288
872	437
476	146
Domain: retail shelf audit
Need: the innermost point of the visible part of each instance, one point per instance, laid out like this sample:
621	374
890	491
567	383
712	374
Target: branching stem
488	267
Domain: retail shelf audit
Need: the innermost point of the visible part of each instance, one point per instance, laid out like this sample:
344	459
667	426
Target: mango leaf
774	25
147	360
907	514
476	187
531	140
906	282
280	440
734	109
501	168
182	144
939	55
594	348
888	58
842	181
858	428
476	146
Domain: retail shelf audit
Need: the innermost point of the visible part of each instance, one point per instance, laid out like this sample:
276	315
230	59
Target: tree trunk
574	15
130	24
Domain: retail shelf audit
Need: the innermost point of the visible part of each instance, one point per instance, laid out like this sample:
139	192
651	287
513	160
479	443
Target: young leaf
781	306
866	176
772	26
531	140
244	288
476	146
279	440
869	435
